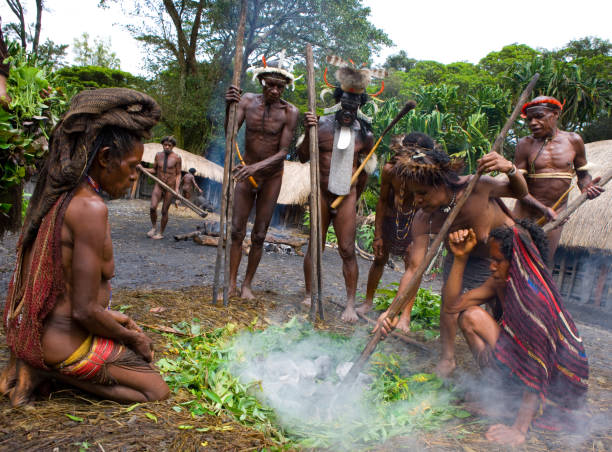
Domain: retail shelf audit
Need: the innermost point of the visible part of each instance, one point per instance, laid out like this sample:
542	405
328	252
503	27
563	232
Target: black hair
192	170
170	139
504	235
419	139
119	141
363	97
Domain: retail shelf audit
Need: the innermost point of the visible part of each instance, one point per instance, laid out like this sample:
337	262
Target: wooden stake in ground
409	106
413	285
225	216
575	204
316	248
185	201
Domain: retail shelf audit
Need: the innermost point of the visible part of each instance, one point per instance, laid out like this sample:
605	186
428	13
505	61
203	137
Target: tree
502	61
196	39
20	29
98	54
400	62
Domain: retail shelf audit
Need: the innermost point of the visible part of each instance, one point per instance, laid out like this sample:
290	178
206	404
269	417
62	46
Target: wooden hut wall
584	277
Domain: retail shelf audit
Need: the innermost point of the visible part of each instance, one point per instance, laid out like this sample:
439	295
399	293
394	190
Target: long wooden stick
542	219
316	299
413	285
409	106
575	204
251	178
165	186
227	192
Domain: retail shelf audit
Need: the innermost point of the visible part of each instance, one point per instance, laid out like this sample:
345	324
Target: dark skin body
270	125
172	178
480	329
381	250
561	152
344	218
188	185
480	213
88	266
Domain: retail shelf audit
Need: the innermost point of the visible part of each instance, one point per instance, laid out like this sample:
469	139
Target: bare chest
555	155
265	120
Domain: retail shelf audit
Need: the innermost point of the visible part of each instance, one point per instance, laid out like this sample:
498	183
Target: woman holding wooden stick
434	180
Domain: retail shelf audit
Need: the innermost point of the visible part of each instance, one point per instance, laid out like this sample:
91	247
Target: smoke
300	373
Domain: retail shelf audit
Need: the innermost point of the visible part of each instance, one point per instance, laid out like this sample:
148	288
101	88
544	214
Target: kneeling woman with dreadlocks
531	339
433	179
58	319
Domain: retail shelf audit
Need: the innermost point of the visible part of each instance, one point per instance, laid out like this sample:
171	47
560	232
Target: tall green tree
196	39
96	53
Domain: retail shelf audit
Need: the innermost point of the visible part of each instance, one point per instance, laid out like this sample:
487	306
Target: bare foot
445	367
152	232
349	315
364	308
403	325
28	379
157	236
246	293
306	301
233	291
505	434
8	377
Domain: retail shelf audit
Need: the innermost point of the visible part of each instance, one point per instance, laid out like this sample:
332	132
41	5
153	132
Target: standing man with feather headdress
270	125
344	136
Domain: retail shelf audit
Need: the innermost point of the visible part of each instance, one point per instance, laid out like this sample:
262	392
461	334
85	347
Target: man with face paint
270	125
343	138
550	158
167	168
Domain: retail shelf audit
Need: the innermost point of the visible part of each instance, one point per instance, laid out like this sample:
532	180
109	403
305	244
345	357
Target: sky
442	30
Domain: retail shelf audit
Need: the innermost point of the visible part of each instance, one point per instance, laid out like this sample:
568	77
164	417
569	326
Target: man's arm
243	172
233	95
513	187
585	182
179	165
381	209
87	258
310	120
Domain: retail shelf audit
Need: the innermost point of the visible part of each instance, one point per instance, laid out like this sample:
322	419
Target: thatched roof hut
295	187
590	227
204	167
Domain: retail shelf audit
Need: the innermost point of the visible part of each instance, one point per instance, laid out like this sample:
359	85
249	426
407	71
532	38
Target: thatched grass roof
204	167
295	187
590	227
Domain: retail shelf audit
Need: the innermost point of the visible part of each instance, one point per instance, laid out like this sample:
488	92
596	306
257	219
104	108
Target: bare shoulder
292	110
574	138
523	147
91	208
248	98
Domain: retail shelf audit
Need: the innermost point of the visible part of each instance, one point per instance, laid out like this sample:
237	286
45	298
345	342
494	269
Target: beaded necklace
93	184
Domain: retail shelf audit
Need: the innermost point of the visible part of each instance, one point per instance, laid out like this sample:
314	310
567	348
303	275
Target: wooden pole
575	204
227	192
409	106
185	201
315	208
413	285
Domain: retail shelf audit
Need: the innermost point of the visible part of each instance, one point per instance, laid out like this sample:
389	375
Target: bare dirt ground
178	276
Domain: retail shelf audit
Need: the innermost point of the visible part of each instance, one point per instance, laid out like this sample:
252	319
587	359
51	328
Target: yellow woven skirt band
550	176
78	354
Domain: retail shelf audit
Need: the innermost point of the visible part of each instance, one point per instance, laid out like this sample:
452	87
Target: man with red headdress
550	158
